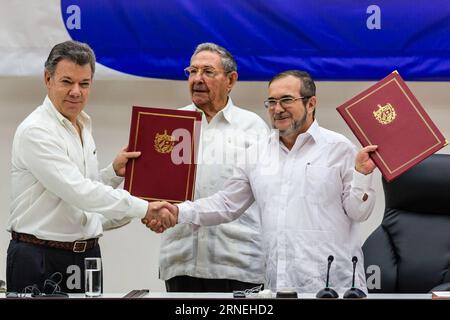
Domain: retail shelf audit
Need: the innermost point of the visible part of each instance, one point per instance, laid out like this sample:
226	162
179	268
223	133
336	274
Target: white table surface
214	295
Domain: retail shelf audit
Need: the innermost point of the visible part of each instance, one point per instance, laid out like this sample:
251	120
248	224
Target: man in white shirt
59	197
313	190
226	257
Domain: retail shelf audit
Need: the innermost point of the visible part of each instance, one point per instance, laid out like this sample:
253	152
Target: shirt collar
313	132
83	118
227	112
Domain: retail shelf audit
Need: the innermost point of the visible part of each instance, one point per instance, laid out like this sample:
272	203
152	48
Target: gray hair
74	51
228	62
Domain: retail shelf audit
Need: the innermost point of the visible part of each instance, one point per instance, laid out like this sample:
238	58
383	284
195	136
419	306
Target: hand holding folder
388	115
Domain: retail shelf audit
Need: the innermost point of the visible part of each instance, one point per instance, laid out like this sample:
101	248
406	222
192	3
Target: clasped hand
160	216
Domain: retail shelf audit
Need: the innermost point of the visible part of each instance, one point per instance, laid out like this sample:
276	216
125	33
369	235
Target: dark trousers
29	264
192	284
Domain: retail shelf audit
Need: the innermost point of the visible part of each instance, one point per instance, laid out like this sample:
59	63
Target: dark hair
228	62
307	88
77	52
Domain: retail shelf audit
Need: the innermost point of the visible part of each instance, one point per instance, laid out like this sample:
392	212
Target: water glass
93	277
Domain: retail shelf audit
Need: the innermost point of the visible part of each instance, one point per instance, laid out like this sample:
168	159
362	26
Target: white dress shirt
229	251
311	202
58	193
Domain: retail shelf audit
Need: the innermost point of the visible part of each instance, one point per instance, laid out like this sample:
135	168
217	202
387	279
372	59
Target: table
216	295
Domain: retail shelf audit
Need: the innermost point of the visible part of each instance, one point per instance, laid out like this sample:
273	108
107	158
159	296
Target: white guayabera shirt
311	201
58	193
229	251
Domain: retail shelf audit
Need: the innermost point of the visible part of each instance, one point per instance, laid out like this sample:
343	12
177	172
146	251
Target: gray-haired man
230	256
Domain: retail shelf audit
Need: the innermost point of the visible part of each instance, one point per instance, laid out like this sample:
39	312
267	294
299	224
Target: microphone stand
354	293
327	292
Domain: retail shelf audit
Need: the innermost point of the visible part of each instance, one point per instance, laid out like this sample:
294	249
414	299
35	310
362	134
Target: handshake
160	216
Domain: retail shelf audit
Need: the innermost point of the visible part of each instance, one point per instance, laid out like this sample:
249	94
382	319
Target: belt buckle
76	244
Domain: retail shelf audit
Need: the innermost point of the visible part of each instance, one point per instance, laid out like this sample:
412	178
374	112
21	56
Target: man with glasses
227	257
311	203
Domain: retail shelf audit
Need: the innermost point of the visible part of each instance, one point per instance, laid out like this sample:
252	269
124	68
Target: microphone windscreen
354	259
330	258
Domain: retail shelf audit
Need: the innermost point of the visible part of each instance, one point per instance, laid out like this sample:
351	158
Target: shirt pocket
236	245
311	251
310	262
322	184
177	245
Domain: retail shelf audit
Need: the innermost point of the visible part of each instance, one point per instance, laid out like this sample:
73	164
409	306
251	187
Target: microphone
354	293
354	261
327	292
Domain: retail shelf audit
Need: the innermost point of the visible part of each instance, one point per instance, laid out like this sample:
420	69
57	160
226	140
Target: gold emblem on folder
164	143
385	114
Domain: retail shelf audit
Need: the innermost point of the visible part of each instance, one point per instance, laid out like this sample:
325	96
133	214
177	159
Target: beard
293	128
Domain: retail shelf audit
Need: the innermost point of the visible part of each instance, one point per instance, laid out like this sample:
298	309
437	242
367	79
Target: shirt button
365	197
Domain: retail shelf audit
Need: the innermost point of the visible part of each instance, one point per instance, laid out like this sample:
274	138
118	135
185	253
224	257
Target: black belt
78	246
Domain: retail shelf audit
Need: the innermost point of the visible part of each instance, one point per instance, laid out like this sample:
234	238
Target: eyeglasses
284	102
207	72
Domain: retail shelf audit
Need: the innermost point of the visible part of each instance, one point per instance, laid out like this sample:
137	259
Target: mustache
200	88
279	116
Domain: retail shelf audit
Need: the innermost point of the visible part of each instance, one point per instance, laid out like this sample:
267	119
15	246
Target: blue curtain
331	39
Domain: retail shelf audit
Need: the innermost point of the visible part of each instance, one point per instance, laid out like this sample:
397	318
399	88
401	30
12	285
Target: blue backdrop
333	40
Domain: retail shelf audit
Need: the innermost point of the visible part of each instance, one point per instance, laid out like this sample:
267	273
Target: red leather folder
388	115
168	140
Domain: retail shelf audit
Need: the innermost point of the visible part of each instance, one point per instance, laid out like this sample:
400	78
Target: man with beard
227	257
313	189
